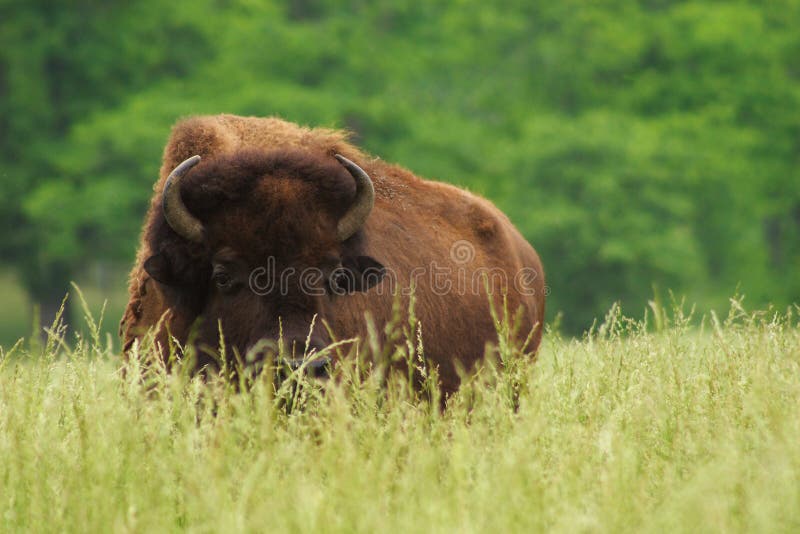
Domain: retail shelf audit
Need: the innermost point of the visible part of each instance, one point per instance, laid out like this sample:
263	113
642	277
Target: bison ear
159	268
364	272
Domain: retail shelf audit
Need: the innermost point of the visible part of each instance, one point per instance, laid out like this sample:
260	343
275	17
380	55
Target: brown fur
269	188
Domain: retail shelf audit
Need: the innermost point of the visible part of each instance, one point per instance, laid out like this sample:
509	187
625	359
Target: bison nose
304	353
317	368
296	348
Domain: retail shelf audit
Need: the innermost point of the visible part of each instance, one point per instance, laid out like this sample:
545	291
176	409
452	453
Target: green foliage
634	143
626	430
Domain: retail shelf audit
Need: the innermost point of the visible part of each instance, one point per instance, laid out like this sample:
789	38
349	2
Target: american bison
260	227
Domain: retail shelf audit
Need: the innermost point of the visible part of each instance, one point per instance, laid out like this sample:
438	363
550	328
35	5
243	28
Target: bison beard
239	193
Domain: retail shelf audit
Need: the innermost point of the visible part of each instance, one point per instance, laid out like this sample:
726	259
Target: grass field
106	288
637	427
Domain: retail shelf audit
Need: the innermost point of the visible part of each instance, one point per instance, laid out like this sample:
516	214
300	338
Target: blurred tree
633	142
60	63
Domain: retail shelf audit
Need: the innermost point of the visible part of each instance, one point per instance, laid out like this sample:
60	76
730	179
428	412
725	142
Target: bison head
256	245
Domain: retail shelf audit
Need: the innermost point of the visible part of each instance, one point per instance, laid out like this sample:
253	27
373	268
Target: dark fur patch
230	179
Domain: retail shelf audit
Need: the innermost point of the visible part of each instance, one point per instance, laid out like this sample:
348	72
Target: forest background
640	146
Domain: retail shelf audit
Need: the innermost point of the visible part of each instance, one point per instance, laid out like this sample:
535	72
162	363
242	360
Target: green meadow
669	423
640	146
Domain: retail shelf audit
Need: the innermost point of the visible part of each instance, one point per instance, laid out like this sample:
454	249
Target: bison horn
357	215
175	211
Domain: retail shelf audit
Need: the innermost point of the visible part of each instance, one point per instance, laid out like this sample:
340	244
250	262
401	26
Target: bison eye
223	281
339	282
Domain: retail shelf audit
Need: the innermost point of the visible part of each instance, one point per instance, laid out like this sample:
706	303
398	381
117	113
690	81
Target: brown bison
260	228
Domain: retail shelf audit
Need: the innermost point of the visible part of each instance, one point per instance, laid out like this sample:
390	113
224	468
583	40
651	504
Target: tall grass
649	425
